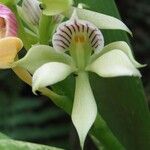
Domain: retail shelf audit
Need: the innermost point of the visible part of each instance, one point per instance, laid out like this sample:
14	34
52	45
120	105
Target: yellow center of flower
79	39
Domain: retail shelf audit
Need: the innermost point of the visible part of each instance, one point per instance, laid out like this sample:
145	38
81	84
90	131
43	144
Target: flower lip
77	31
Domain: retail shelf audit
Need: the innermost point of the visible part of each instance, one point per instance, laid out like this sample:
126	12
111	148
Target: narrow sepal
84	108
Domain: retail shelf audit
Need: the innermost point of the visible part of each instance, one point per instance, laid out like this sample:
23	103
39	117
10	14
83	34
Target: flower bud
31	11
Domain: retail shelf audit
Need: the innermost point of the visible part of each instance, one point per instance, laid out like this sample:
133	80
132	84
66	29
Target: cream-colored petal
121	45
49	74
9	47
112	64
38	55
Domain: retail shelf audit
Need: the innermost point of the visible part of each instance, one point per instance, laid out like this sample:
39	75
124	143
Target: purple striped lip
8	22
77	31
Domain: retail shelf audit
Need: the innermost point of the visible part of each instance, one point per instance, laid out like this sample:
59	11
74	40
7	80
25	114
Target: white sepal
113	64
49	74
84	108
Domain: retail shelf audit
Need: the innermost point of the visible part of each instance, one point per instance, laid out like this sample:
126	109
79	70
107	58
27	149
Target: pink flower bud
8	22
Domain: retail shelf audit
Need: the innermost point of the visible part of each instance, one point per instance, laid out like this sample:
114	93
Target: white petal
50	73
121	45
112	64
84	108
102	21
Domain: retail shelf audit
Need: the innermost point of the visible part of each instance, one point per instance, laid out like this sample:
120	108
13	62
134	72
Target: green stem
61	101
44	29
101	131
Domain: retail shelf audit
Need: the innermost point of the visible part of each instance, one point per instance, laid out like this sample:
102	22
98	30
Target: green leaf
103	136
8	144
124	109
19	145
3	136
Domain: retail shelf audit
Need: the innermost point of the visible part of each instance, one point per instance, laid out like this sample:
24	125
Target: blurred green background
32	118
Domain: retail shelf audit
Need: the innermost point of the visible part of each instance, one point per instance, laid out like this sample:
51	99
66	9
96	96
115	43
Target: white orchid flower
85	44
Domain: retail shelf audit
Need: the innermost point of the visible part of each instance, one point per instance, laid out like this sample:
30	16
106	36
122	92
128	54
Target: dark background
27	117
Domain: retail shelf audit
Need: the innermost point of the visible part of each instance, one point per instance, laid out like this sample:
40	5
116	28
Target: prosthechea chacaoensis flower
84	44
